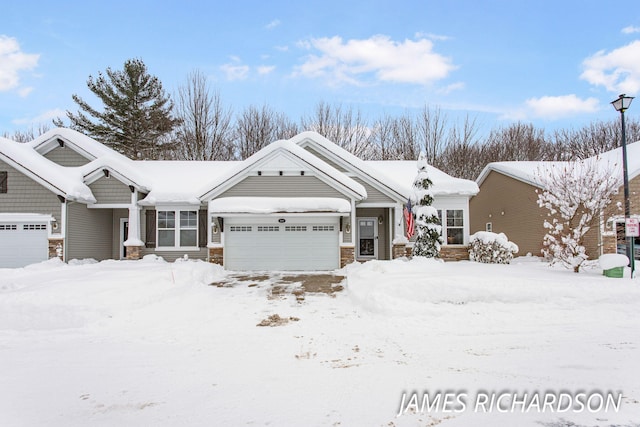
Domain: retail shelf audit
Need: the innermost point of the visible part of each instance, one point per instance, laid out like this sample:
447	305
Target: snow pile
491	248
609	261
148	342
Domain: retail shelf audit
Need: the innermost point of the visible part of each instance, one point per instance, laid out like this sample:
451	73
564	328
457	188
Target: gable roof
525	171
63	181
352	163
87	147
324	171
191	182
403	173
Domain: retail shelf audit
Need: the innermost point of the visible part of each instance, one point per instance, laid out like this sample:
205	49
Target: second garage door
281	244
22	243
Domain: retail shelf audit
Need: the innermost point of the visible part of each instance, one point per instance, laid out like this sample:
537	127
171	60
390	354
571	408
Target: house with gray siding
297	204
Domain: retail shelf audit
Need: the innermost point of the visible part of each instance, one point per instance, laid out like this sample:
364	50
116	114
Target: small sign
632	227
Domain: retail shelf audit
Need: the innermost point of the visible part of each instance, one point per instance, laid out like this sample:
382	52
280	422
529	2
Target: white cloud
45	117
554	107
356	61
235	70
618	71
631	29
431	36
266	69
12	62
450	88
273	24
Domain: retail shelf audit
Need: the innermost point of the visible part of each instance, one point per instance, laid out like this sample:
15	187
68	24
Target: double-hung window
452	226
177	228
455	230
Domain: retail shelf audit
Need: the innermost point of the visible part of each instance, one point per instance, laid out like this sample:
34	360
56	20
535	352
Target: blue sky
553	63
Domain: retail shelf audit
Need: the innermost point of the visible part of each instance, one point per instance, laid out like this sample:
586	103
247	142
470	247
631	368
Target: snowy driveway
151	343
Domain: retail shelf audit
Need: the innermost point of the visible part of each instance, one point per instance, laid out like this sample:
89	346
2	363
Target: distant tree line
141	121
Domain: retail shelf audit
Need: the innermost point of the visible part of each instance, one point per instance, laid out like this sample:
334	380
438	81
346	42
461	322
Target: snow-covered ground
131	343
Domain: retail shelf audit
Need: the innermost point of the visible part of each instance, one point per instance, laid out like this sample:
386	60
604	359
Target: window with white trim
455	227
177	229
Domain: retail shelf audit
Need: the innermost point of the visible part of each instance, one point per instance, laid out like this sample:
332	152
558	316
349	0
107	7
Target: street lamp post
621	104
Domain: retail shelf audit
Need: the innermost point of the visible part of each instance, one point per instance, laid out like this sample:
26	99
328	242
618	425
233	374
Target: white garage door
295	244
23	243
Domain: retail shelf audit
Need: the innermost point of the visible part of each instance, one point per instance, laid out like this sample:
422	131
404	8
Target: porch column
133	243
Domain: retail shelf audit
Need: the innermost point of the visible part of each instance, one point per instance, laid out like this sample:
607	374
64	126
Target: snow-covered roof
190	182
325	170
526	171
27	217
86	146
403	173
180	181
360	165
267	205
67	182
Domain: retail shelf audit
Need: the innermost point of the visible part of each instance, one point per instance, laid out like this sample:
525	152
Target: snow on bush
491	248
575	195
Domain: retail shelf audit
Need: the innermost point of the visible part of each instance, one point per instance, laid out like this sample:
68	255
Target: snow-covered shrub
491	248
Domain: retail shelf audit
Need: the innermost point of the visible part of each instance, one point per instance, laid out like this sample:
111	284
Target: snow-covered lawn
133	343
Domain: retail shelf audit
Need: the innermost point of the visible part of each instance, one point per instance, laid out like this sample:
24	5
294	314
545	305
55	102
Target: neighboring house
507	203
299	204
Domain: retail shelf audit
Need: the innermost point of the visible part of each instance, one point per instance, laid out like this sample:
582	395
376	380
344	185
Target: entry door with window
367	238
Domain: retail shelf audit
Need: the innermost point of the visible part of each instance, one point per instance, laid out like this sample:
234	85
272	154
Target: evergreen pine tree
137	113
428	239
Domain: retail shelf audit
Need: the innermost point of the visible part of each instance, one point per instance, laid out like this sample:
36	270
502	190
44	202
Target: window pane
454	236
188	219
188	238
166	238
166	219
454	218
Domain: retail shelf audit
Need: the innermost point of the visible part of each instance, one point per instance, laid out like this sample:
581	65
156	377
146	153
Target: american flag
408	217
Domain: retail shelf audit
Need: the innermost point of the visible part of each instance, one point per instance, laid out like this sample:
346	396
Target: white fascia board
351	189
364	172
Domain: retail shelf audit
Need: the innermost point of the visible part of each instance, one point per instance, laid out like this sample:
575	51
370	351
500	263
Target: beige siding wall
282	186
522	220
110	190
373	195
65	156
89	232
24	195
634	205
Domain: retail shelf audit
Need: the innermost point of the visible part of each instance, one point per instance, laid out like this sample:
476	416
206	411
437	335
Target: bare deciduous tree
29	134
257	127
205	132
345	127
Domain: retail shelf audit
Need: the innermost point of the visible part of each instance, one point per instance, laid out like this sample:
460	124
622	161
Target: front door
367	238
124	235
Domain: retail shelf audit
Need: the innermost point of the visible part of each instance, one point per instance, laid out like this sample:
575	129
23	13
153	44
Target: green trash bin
614	272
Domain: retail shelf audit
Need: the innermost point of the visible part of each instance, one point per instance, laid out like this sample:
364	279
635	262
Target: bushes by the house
491	248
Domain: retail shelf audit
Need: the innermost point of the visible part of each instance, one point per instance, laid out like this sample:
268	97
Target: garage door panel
300	246
23	244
